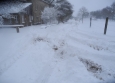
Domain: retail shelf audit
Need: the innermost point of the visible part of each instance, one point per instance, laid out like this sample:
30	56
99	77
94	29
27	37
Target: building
26	12
37	8
14	13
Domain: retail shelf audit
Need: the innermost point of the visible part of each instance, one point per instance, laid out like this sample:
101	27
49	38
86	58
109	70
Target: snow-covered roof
16	7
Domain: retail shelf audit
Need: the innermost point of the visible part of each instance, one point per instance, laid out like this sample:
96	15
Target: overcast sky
90	4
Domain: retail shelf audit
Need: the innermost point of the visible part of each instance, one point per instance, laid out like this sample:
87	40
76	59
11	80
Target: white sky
89	4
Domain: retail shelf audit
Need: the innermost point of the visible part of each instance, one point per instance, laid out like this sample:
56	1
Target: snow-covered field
59	53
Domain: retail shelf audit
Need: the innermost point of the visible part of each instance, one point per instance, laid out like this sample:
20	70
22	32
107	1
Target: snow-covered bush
1	20
63	7
49	15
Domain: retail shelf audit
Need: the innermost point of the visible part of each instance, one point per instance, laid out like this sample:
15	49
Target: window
10	21
16	19
36	7
23	21
30	18
37	19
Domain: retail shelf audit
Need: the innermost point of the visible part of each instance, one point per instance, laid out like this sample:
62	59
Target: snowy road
59	53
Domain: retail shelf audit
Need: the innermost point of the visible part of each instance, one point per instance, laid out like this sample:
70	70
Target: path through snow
58	53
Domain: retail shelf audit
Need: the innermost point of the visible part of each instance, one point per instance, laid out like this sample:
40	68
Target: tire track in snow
96	44
16	54
45	74
93	37
8	63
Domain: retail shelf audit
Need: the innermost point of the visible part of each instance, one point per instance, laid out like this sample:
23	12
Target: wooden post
17	29
106	23
90	21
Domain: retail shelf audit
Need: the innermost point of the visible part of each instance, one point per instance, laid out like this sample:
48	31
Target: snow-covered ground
59	53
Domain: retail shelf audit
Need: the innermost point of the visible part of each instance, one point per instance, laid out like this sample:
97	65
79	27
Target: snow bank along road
59	53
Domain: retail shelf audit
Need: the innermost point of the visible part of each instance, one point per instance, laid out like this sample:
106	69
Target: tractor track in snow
96	43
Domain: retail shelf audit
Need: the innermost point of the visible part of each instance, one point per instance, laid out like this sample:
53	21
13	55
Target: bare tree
82	13
108	11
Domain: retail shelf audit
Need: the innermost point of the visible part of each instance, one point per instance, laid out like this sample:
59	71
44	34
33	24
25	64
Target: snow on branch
49	15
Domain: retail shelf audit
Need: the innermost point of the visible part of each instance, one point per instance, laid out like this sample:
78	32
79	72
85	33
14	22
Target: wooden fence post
90	21
106	23
17	29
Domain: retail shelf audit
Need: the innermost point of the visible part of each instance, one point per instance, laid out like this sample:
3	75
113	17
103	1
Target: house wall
24	18
37	7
